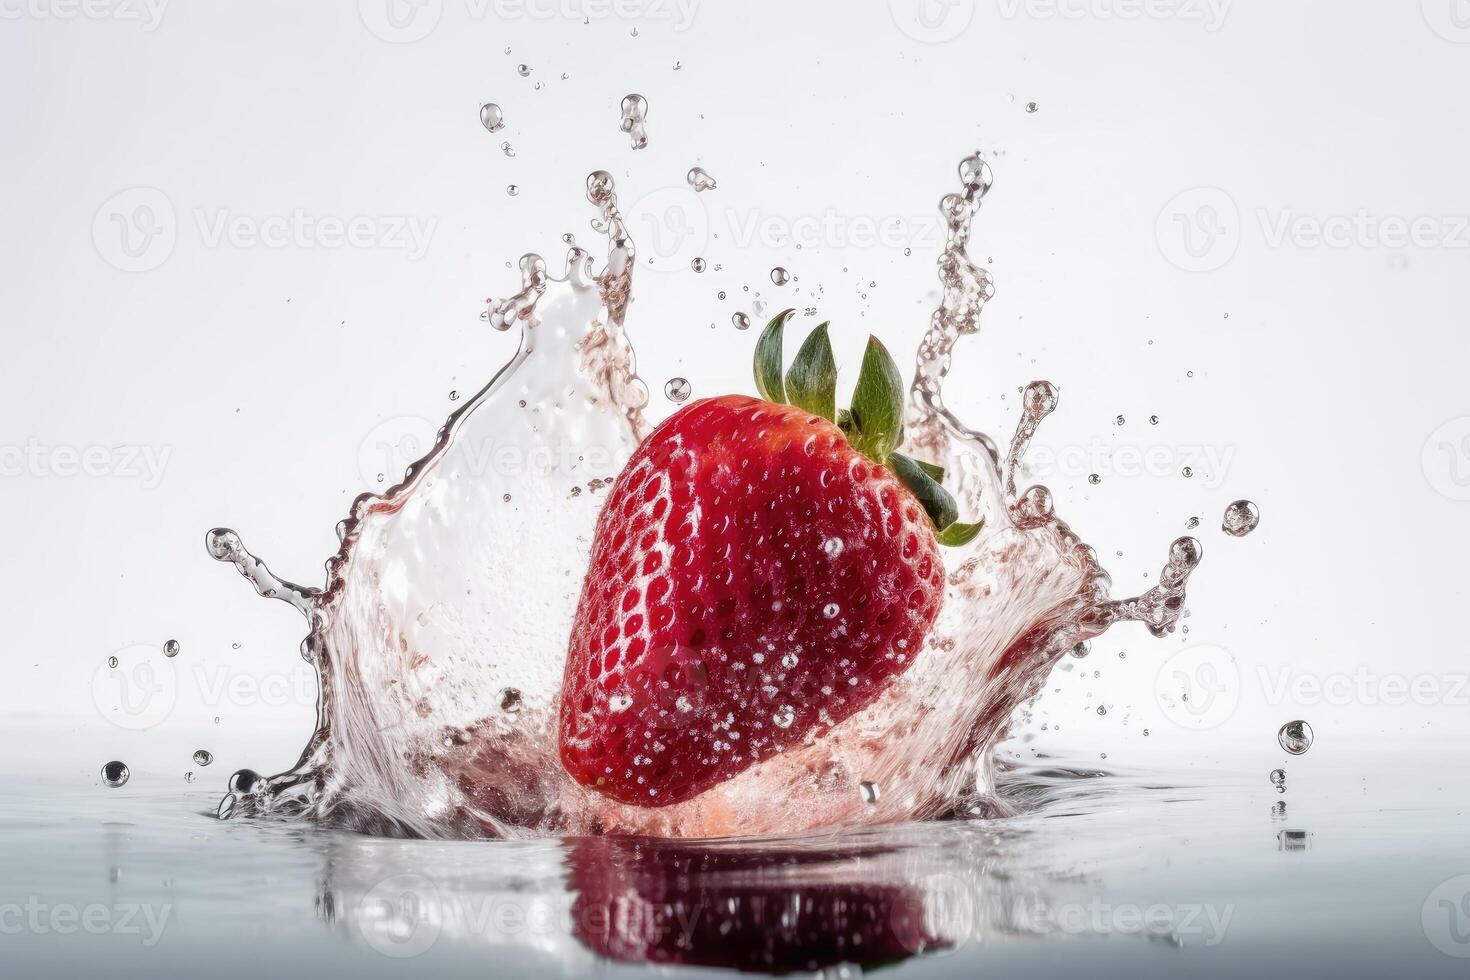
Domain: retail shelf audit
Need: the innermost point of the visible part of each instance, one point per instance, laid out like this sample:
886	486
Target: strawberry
760	571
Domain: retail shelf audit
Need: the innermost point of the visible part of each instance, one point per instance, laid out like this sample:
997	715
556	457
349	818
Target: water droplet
677	389
741	321
510	700
1187	472
678	65
491	117
832	547
1031	107
1153	420
831	609
171	648
780	276
700	180
869	791
1295	737
1094	479
247	782
697	264
1192	523
1278	777
1241	518
454	396
1081	649
115	774
1102	710
784	716
507	149
203	757
512	190
112	662
188	777
523	70
635	110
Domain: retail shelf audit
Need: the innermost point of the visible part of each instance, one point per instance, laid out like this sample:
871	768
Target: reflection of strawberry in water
768	908
761	571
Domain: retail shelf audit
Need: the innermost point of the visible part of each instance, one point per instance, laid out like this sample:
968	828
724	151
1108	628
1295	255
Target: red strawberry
759	574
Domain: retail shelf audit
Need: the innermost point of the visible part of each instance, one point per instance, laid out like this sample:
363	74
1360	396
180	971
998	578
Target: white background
1160	213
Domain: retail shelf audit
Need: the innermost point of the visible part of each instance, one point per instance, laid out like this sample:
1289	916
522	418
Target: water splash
440	635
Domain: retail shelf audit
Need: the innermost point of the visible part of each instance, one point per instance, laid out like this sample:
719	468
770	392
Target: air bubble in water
677	389
635	110
780	276
784	716
203	757
700	180
1295	737
510	700
697	264
741	321
171	648
869	791
1241	518
115	774
491	117
832	547
831	609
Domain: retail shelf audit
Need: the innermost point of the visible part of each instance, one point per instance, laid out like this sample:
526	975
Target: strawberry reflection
769	908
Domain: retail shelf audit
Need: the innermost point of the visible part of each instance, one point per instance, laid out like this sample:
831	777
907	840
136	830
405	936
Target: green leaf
812	381
936	501
933	469
877	404
768	360
959	534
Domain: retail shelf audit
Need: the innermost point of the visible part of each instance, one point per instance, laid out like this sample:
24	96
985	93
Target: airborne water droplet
491	117
112	662
635	110
1094	479
1295	737
1032	107
512	190
697	264
115	774
1081	649
677	389
700	180
507	149
1241	518
741	321
1278	777
171	648
523	70
780	276
203	757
